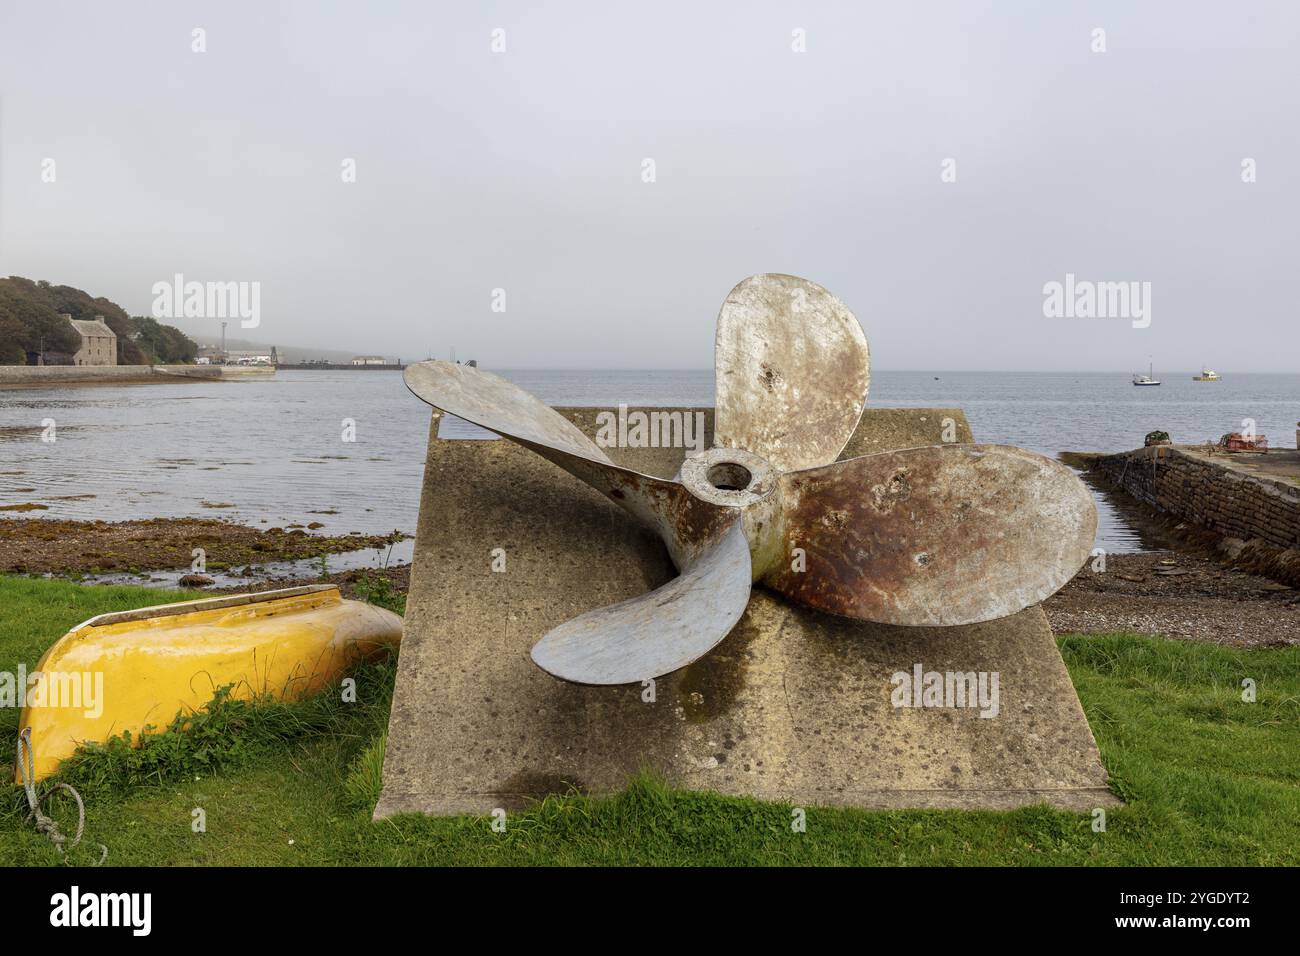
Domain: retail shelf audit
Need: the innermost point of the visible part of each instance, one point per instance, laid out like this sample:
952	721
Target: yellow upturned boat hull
136	669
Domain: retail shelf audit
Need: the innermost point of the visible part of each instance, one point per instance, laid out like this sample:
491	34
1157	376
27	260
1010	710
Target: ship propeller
931	536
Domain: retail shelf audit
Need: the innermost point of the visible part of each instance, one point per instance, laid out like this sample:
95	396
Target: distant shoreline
338	367
42	376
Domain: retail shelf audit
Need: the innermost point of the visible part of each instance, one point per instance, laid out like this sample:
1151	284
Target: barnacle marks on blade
792	370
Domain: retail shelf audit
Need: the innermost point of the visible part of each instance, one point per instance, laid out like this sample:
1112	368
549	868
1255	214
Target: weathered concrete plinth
794	705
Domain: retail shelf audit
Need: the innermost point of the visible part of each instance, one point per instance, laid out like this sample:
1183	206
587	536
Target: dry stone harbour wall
1211	496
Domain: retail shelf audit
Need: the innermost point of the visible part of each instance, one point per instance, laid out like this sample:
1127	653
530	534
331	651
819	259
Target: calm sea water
273	452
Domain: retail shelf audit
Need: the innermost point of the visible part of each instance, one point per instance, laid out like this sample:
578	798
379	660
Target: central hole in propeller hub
729	476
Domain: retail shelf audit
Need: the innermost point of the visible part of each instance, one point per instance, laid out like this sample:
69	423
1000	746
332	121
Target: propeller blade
792	369
659	632
684	522
941	535
498	405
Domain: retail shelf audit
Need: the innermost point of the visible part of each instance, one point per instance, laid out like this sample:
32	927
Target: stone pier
1248	502
1246	495
52	376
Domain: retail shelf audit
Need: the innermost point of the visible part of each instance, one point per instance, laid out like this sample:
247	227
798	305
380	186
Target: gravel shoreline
1179	594
49	546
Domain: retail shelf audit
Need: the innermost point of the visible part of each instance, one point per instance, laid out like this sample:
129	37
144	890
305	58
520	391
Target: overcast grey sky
522	170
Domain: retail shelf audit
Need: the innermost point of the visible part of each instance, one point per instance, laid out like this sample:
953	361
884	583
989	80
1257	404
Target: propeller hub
731	477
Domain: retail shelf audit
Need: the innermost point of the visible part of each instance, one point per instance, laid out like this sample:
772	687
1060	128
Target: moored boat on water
1147	379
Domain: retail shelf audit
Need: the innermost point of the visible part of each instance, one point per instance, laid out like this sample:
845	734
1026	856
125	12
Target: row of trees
167	344
31	318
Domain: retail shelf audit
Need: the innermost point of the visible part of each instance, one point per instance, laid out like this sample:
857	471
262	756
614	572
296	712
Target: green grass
1207	778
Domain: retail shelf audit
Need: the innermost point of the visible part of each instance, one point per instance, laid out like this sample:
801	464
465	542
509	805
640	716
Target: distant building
48	357
369	360
98	342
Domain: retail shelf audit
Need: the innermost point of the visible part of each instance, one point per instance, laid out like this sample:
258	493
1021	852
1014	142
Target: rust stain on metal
983	531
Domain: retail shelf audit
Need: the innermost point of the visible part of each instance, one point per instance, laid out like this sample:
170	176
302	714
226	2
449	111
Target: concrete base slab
794	705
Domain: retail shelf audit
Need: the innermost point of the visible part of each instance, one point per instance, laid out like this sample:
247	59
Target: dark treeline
32	311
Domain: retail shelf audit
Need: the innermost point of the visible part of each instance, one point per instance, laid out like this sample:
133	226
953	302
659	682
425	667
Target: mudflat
48	546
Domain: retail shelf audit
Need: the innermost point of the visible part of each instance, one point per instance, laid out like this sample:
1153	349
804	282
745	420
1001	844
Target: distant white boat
1147	379
1207	375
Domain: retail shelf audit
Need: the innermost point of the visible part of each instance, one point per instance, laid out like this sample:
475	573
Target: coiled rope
44	824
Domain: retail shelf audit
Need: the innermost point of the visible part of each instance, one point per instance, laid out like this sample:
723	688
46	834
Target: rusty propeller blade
941	535
792	369
683	521
658	632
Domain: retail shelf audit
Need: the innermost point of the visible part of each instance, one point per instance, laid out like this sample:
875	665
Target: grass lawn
1207	778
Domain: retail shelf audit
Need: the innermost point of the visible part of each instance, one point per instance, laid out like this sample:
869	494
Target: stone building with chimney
98	342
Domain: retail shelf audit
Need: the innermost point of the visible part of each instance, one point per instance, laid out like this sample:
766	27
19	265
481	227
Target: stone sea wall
35	376
1211	495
